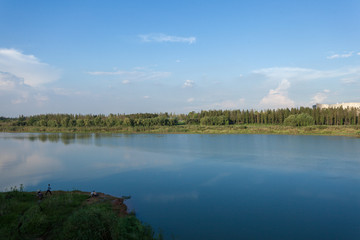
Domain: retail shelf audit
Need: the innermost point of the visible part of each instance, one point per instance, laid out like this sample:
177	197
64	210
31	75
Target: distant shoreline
322	130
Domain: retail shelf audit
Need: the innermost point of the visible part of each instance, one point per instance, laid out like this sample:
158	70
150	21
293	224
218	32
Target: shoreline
314	130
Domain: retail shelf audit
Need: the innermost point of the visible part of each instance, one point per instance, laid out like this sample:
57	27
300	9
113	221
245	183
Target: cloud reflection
27	170
216	179
169	197
31	158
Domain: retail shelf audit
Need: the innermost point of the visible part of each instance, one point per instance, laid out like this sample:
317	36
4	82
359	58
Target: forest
302	116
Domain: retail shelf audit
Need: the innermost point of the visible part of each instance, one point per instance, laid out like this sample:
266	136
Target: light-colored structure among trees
338	105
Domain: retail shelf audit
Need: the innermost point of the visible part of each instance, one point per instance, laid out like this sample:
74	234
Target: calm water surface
203	186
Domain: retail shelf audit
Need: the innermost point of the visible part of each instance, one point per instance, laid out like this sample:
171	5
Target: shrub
100	222
302	119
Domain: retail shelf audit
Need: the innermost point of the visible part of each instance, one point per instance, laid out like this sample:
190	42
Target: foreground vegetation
65	215
333	121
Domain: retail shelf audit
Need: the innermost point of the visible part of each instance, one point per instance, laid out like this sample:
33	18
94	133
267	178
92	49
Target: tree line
329	116
294	116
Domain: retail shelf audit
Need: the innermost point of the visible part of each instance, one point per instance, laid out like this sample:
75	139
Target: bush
99	222
302	119
214	120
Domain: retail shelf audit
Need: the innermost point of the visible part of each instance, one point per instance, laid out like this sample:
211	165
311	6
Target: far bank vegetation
193	122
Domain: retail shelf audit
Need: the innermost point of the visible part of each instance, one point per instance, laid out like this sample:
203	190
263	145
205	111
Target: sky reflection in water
204	186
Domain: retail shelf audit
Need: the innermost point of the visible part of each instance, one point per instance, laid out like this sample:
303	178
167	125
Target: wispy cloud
137	75
344	55
160	37
68	92
278	98
229	104
188	84
305	74
27	67
350	80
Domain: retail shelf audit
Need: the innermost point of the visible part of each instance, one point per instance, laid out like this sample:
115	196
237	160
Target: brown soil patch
117	204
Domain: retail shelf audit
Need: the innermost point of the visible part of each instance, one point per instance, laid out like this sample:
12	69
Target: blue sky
176	56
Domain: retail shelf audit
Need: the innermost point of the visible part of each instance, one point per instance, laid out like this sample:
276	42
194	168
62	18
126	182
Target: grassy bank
67	215
329	130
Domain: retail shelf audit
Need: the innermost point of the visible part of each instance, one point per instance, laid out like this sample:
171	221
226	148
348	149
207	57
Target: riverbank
325	130
68	215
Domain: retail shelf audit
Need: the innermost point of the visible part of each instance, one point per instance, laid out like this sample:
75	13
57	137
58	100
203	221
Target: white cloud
137	75
306	79
14	87
27	67
9	82
320	97
350	80
13	90
189	100
188	84
146	97
160	37
305	74
277	98
295	73
344	55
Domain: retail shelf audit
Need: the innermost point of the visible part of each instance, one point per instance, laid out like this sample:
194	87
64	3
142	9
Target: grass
65	215
336	130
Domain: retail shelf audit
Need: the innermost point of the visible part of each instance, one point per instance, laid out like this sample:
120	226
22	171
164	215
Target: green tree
302	119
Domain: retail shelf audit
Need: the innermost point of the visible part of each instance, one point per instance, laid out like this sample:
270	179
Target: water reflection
17	168
30	158
203	186
27	158
169	197
65	138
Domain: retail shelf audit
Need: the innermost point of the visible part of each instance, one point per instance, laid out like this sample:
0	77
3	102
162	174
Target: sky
178	56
